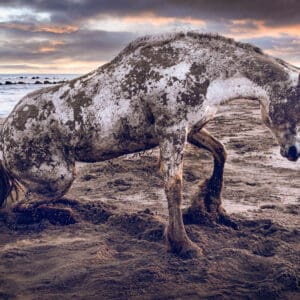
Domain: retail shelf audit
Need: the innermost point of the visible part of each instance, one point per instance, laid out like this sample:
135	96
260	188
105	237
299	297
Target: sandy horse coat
159	91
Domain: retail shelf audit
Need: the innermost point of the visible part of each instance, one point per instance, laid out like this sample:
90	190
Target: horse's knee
219	152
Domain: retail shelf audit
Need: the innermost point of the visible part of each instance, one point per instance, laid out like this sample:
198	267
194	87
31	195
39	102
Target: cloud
58	29
285	47
273	12
83	45
17	67
90	31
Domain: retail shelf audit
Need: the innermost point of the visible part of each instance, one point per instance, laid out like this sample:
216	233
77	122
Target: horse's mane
287	65
162	39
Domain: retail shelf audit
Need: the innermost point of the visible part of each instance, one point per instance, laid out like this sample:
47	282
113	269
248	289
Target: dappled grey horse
159	91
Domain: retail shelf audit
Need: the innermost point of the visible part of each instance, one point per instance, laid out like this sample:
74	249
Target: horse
158	91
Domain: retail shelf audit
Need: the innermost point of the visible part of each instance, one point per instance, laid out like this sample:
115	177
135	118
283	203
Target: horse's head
283	119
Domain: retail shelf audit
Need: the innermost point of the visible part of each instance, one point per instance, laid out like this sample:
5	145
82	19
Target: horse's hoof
188	250
184	249
195	216
224	219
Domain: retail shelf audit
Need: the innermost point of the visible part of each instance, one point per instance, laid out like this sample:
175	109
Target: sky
77	36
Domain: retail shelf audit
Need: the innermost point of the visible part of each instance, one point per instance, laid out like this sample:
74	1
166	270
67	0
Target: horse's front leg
207	203
171	151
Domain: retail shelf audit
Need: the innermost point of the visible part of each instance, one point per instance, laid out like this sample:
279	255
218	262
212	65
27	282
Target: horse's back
112	110
88	115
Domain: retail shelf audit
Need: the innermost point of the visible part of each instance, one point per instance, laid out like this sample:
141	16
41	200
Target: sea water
13	87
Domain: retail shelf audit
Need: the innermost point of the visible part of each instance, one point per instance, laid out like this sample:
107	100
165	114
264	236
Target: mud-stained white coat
155	92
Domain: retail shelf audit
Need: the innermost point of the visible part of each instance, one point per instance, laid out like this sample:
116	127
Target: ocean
13	87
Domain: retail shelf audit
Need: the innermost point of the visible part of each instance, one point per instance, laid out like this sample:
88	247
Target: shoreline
13	87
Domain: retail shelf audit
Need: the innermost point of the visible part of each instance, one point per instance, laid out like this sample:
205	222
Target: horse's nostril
292	152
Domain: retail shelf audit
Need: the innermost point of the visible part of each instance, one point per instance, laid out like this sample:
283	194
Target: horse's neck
237	87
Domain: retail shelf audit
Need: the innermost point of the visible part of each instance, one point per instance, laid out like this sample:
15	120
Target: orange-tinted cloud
18	26
158	20
58	29
240	29
50	47
60	66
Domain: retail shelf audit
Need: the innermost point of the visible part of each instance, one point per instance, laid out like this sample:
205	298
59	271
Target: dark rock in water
47	82
61	81
21	82
35	77
38	82
8	82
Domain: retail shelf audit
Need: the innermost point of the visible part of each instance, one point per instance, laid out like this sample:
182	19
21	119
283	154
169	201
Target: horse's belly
104	150
100	146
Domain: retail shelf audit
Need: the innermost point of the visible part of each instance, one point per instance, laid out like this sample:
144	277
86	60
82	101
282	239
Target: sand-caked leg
171	152
206	204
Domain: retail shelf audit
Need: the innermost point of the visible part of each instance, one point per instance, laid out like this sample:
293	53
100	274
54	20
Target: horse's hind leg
48	180
206	203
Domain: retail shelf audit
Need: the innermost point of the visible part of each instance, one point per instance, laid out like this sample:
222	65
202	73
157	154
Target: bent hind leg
207	203
51	187
46	179
42	191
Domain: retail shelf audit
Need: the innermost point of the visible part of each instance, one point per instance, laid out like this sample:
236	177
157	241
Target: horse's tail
9	186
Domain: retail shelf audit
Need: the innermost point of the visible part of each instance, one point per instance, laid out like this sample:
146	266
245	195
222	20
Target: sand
105	240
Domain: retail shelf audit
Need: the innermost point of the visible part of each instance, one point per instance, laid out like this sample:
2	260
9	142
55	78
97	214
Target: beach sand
108	244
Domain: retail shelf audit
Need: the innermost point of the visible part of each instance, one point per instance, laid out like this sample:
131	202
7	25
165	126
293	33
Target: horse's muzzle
291	153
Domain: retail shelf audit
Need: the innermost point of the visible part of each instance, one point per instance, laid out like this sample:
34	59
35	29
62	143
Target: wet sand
105	241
